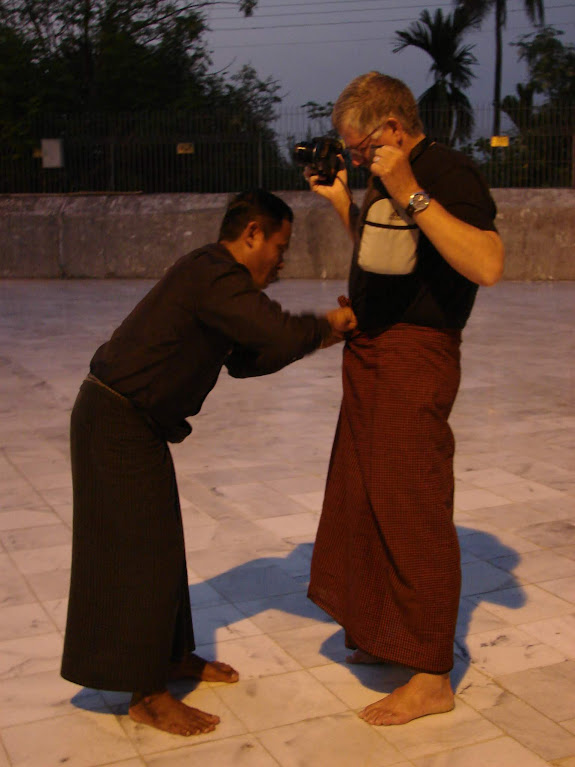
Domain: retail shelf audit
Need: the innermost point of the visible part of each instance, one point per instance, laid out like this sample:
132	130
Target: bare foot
208	671
424	694
360	656
164	712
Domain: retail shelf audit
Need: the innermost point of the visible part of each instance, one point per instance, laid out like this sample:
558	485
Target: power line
309	12
336	24
379	38
323	24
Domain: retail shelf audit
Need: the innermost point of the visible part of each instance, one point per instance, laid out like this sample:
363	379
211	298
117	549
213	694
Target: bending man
129	619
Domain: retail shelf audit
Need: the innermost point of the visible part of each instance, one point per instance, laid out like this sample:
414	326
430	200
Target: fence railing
224	152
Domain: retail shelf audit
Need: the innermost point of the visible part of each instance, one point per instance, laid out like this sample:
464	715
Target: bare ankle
138	697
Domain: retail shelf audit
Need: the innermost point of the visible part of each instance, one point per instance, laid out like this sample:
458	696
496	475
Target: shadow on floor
252	586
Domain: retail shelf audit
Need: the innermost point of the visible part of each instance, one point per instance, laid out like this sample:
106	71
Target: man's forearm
343	207
474	253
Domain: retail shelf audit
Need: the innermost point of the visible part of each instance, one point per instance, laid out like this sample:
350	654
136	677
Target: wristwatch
417	202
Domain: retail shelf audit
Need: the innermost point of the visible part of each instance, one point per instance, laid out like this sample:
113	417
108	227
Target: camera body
321	155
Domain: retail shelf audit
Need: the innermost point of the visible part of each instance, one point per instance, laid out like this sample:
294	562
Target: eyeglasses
359	150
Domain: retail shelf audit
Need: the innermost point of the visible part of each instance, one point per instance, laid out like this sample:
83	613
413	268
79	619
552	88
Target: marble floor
251	479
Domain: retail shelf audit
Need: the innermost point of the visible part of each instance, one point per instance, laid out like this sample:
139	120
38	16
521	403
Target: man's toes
226	669
199	724
377	715
210	718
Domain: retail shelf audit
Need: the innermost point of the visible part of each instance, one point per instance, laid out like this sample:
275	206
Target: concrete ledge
100	235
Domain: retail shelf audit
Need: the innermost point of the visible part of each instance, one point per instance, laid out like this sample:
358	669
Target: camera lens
303	153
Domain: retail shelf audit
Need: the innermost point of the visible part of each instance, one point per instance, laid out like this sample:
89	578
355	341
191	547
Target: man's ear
251	232
397	129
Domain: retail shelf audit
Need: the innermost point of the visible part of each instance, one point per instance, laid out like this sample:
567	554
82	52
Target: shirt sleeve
264	337
464	194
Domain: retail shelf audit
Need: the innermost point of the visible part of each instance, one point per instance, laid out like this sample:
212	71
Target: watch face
418	202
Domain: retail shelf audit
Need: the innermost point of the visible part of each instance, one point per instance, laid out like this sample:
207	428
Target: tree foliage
551	64
125	81
445	109
480	9
106	55
542	110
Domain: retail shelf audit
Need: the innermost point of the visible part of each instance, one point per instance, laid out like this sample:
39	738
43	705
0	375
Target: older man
386	562
129	618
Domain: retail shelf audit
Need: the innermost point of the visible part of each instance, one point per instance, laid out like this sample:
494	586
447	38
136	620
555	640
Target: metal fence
223	152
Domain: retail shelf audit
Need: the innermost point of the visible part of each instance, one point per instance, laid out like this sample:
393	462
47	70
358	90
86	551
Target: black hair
254	205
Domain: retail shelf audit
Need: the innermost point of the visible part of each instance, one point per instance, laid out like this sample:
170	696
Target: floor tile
559	532
285	611
29	655
537	566
502	752
292	524
504	651
431	734
358	685
24	620
249	581
54	584
550	689
313	645
524	604
273	701
21	517
43	695
556	632
474	618
244	751
562	587
220	623
82	739
483	577
526	725
253	656
468	500
36	537
46	559
339	740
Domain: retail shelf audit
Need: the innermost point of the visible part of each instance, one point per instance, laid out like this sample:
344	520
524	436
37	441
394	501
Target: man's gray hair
372	98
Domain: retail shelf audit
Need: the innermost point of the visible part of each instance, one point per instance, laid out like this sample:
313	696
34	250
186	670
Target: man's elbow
492	270
492	275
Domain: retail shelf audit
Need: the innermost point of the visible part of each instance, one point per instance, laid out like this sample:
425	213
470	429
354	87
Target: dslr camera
321	155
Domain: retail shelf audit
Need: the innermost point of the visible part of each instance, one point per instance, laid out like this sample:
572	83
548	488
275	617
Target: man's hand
392	166
342	321
338	193
334	193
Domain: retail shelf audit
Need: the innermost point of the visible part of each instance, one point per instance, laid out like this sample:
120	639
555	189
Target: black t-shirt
204	313
433	294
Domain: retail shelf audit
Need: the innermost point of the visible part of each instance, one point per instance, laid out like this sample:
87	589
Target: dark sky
313	49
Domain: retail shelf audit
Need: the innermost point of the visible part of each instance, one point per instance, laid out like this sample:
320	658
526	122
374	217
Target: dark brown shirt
204	313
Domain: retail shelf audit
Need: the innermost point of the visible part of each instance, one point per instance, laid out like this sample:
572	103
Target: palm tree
480	8
445	110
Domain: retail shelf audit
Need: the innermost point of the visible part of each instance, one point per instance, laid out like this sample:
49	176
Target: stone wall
133	235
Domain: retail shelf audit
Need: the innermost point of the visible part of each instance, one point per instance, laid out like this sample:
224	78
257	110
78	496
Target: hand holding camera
323	157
